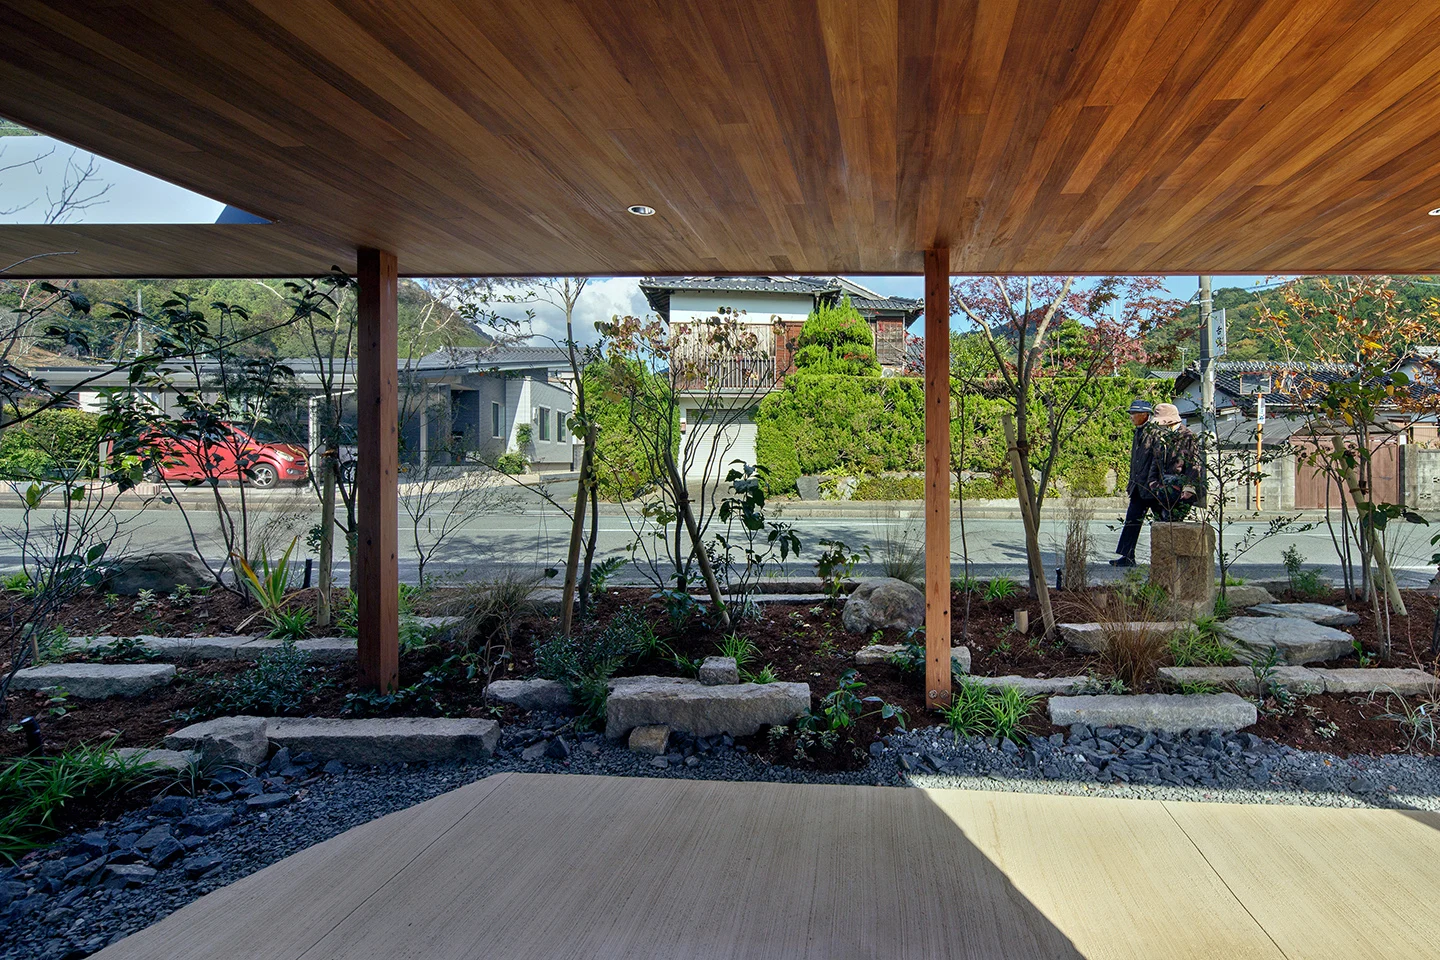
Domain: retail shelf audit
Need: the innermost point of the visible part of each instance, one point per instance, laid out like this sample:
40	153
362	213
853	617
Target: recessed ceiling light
1433	213
640	210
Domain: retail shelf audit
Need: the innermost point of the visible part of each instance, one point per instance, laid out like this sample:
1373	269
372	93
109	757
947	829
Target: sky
33	172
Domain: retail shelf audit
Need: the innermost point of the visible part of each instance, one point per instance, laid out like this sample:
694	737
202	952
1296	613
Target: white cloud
604	298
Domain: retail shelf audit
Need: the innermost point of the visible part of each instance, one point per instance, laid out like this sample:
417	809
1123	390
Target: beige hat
1166	414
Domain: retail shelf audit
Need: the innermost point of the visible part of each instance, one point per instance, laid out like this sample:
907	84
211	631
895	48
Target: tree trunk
1371	545
327	542
682	501
577	535
1032	525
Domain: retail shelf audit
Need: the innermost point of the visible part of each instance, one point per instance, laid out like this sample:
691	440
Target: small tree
439	501
1018	319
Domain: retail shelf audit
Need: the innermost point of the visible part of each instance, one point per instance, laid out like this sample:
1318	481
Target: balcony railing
731	374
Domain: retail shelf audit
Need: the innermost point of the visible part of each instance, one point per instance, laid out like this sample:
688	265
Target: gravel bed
92	889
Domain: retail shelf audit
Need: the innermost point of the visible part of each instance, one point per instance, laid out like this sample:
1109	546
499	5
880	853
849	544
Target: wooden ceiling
772	136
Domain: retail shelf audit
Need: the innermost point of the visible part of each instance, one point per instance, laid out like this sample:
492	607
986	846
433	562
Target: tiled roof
657	291
488	357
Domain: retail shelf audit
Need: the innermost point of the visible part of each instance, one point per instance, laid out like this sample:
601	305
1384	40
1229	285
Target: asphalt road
533	535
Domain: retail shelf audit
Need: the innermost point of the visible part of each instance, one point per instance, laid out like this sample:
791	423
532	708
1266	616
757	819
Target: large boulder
161	572
1243	595
883	604
237	741
1295	641
690	706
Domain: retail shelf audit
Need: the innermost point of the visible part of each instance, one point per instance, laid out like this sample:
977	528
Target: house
774	308
1405	459
465	403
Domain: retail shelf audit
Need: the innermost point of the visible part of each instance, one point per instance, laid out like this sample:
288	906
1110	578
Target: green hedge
38	445
862	426
621	466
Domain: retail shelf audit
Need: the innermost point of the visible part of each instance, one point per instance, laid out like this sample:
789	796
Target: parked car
242	455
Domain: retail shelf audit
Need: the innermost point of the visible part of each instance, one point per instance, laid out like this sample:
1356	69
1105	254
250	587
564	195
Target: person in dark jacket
1176	468
1141	499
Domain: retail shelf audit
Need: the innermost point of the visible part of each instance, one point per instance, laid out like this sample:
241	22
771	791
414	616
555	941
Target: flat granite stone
192	649
1296	641
386	740
878	654
1321	613
1298	680
316	649
1033	686
1095	637
1406	682
95	681
549	695
717	671
1168	712
1247	595
176	760
689	706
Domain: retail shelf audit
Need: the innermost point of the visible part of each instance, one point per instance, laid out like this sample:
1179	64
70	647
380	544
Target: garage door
736	442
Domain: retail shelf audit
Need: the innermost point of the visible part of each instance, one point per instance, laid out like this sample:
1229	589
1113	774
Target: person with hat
1176	468
1141	500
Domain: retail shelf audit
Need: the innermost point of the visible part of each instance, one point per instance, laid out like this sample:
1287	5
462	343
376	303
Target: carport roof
770	136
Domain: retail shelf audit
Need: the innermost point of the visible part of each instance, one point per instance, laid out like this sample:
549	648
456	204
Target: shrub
281	683
585	662
622	468
37	446
37	793
512	463
978	710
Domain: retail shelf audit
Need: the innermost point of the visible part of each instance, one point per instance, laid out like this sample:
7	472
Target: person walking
1176	468
1141	500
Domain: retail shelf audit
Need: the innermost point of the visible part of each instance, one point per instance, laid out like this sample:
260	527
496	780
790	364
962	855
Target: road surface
533	534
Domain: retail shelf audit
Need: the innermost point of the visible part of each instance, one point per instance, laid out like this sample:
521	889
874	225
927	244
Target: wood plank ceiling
772	136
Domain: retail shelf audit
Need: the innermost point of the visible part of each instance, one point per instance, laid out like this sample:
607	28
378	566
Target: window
495	418
544	419
559	426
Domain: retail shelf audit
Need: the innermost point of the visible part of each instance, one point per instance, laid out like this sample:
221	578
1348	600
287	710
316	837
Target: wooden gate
1312	487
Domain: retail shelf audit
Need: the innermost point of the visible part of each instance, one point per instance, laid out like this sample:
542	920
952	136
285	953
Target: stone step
1296	641
549	695
1034	686
878	654
1170	712
175	760
689	706
1321	613
192	649
1406	682
1297	680
380	741
95	681
1094	637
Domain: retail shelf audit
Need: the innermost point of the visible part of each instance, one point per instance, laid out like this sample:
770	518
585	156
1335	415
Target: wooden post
937	477
377	564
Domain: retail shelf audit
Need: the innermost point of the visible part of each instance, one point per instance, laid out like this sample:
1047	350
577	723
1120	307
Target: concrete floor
544	866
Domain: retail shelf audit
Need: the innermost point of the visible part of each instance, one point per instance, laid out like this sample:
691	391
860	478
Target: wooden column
377	565
937	477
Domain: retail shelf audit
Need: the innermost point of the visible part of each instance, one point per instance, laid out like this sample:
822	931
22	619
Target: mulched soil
801	642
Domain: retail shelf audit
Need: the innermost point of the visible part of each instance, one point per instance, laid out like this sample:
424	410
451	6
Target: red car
240	456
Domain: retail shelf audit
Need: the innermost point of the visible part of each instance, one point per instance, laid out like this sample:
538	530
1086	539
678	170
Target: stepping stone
652	740
1033	686
1095	637
1296	641
878	654
231	741
380	741
548	695
1298	680
1321	613
315	650
440	629
95	681
1405	682
1246	595
176	760
1168	712
689	706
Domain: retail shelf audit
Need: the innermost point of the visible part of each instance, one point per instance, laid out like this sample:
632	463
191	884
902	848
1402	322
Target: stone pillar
1182	561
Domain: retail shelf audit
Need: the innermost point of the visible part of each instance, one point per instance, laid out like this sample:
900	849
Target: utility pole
1207	370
